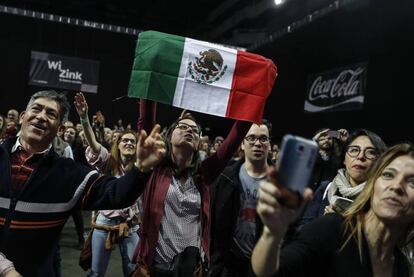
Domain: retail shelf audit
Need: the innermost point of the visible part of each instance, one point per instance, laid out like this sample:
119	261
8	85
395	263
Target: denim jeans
100	256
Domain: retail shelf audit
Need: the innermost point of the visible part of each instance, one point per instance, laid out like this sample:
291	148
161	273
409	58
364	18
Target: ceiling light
278	2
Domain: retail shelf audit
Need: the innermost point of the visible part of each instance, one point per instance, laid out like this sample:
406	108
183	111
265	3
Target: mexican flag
201	76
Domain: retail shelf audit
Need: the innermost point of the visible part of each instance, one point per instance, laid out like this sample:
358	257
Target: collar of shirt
18	145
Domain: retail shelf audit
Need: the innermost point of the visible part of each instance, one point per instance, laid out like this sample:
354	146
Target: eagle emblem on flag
208	67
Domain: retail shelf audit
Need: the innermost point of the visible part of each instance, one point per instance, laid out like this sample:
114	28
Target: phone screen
295	165
342	204
333	134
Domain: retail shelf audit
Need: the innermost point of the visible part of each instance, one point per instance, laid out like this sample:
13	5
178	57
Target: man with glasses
234	199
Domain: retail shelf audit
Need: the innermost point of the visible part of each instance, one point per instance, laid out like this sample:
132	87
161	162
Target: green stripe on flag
156	66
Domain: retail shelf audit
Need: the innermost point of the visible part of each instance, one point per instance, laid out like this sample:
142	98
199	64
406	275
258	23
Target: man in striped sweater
39	190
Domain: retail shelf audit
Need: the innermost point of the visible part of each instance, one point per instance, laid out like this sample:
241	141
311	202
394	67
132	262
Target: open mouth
129	147
38	127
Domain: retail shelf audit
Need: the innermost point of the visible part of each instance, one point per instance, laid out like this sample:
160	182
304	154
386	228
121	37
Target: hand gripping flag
201	76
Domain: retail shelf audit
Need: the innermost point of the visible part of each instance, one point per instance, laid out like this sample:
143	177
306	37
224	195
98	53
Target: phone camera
300	148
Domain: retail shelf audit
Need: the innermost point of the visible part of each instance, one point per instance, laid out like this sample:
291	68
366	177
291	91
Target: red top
153	197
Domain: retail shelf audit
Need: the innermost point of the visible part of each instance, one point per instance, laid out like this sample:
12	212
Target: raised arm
214	165
115	193
82	109
276	218
147	115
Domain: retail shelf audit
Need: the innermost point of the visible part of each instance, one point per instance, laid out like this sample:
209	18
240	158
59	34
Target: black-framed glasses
252	139
184	127
370	153
126	140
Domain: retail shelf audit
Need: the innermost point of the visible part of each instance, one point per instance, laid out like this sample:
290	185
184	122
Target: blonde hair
355	215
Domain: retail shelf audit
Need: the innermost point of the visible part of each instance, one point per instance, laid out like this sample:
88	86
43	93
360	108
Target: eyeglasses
184	126
370	152
126	140
251	139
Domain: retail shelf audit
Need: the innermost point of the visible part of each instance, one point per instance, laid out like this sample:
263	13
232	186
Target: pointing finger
156	130
141	138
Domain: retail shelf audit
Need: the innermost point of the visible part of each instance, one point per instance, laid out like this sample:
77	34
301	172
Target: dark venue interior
379	32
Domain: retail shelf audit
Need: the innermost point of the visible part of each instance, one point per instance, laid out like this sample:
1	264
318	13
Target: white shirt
18	144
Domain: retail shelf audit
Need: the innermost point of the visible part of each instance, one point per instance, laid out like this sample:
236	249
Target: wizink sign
337	90
63	72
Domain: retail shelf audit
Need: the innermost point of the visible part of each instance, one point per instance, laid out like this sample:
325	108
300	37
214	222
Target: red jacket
153	198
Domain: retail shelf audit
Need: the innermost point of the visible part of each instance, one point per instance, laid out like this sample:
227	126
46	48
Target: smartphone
342	204
334	134
296	161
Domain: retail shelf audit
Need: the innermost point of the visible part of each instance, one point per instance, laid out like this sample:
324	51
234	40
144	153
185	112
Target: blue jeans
100	256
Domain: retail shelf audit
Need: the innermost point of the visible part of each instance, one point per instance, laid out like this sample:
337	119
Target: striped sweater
31	222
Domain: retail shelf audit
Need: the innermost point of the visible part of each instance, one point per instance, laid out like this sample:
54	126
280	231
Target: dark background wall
376	32
381	34
19	36
115	52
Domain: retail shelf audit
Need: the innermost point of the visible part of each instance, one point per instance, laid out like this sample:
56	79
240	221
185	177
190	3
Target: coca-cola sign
337	90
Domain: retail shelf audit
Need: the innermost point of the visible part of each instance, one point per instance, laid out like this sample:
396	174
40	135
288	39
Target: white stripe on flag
207	98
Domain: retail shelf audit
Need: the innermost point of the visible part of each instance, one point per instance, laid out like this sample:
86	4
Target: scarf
340	186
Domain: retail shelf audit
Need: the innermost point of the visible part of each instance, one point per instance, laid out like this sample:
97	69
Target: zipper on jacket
13	203
12	206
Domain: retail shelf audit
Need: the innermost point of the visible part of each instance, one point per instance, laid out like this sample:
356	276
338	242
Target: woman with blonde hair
364	241
111	225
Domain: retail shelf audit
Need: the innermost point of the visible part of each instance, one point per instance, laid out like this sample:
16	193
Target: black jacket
319	250
225	206
30	223
324	171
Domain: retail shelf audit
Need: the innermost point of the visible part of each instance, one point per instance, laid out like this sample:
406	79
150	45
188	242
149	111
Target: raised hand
150	149
184	114
329	209
81	105
343	134
278	206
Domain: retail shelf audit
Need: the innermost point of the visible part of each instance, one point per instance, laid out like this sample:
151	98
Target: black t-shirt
315	252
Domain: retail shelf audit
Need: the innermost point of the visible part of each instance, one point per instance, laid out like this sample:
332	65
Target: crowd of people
178	203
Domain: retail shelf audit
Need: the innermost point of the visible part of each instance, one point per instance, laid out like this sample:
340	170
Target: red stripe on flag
253	80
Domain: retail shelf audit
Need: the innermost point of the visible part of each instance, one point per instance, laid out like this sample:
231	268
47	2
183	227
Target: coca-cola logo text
346	84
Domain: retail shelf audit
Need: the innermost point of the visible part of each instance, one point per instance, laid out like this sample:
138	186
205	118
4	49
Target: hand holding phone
341	204
334	134
295	165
